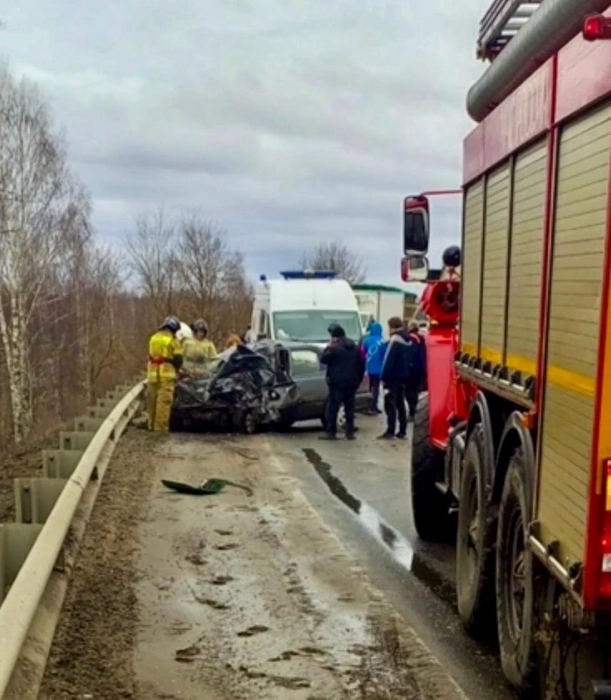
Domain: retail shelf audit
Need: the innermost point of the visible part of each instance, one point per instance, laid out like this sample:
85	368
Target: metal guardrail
37	552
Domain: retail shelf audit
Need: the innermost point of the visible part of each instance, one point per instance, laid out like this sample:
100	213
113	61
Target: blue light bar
309	274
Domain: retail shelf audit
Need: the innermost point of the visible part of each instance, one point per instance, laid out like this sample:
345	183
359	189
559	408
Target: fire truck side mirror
415	268
416	225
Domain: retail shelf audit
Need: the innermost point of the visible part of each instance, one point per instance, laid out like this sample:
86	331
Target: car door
309	375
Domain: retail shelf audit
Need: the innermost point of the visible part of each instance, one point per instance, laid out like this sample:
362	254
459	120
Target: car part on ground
206	488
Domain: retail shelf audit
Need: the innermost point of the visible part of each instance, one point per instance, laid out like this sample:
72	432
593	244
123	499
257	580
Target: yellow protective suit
162	373
198	354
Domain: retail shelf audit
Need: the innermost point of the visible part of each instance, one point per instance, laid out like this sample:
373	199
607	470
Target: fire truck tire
514	579
429	505
475	541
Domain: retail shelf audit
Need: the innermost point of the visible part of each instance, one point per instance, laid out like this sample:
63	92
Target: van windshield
312	326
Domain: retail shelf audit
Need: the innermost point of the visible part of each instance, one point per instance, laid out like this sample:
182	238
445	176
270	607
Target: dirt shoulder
225	597
92	652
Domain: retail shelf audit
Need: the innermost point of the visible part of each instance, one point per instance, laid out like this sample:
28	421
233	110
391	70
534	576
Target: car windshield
312	326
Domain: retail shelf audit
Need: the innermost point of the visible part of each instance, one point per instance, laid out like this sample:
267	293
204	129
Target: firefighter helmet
451	256
171	323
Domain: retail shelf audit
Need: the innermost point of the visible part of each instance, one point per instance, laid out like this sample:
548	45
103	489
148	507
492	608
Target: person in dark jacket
417	376
345	369
395	374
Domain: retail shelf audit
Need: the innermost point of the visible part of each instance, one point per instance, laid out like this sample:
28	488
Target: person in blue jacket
374	347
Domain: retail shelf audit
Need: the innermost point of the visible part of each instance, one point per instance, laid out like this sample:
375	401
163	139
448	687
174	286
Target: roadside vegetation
74	314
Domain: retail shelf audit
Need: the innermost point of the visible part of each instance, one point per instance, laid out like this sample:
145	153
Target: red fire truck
512	440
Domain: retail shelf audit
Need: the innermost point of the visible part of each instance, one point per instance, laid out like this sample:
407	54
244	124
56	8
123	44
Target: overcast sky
288	122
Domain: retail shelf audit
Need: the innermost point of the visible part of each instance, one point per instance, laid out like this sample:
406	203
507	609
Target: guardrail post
59	464
72	440
16	541
85	424
35	498
98	412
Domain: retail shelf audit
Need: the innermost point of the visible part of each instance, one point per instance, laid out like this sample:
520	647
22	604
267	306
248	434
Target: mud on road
228	596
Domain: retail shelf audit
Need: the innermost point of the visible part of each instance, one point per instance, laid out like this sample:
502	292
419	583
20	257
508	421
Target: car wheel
245	422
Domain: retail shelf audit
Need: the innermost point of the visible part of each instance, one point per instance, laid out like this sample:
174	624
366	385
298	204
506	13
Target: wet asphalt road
361	490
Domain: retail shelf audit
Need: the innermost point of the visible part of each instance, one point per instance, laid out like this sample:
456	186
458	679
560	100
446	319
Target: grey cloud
287	122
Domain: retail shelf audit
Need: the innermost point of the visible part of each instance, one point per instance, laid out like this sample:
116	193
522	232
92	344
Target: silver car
310	376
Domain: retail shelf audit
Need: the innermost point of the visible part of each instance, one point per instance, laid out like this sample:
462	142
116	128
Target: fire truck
512	439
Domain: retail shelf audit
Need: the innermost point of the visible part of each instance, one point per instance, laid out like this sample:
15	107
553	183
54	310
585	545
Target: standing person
198	351
249	337
395	374
417	376
345	369
374	347
164	363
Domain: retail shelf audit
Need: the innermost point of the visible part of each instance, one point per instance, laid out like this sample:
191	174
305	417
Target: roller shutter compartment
471	269
575	302
526	259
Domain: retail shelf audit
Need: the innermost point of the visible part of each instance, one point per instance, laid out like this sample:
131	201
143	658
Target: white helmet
184	332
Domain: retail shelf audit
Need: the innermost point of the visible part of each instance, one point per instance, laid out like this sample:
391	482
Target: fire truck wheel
429	505
474	541
514	579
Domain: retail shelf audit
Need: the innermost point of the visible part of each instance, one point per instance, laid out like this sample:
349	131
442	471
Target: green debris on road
206	488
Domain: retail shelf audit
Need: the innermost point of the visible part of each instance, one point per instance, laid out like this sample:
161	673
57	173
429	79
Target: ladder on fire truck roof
501	23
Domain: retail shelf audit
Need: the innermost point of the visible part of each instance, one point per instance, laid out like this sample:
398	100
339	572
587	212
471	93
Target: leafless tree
152	260
212	275
33	179
75	318
336	257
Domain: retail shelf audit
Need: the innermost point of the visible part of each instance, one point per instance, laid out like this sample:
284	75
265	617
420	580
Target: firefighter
164	364
198	351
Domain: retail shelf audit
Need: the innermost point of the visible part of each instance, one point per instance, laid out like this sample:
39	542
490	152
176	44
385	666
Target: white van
302	305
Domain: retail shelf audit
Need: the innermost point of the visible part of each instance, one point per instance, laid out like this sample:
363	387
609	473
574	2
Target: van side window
263	323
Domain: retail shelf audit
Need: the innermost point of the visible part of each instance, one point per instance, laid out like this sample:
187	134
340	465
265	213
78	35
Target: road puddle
400	548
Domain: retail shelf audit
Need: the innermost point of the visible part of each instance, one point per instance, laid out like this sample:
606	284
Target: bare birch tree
33	179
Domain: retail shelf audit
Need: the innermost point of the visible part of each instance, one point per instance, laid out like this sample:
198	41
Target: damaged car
243	391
